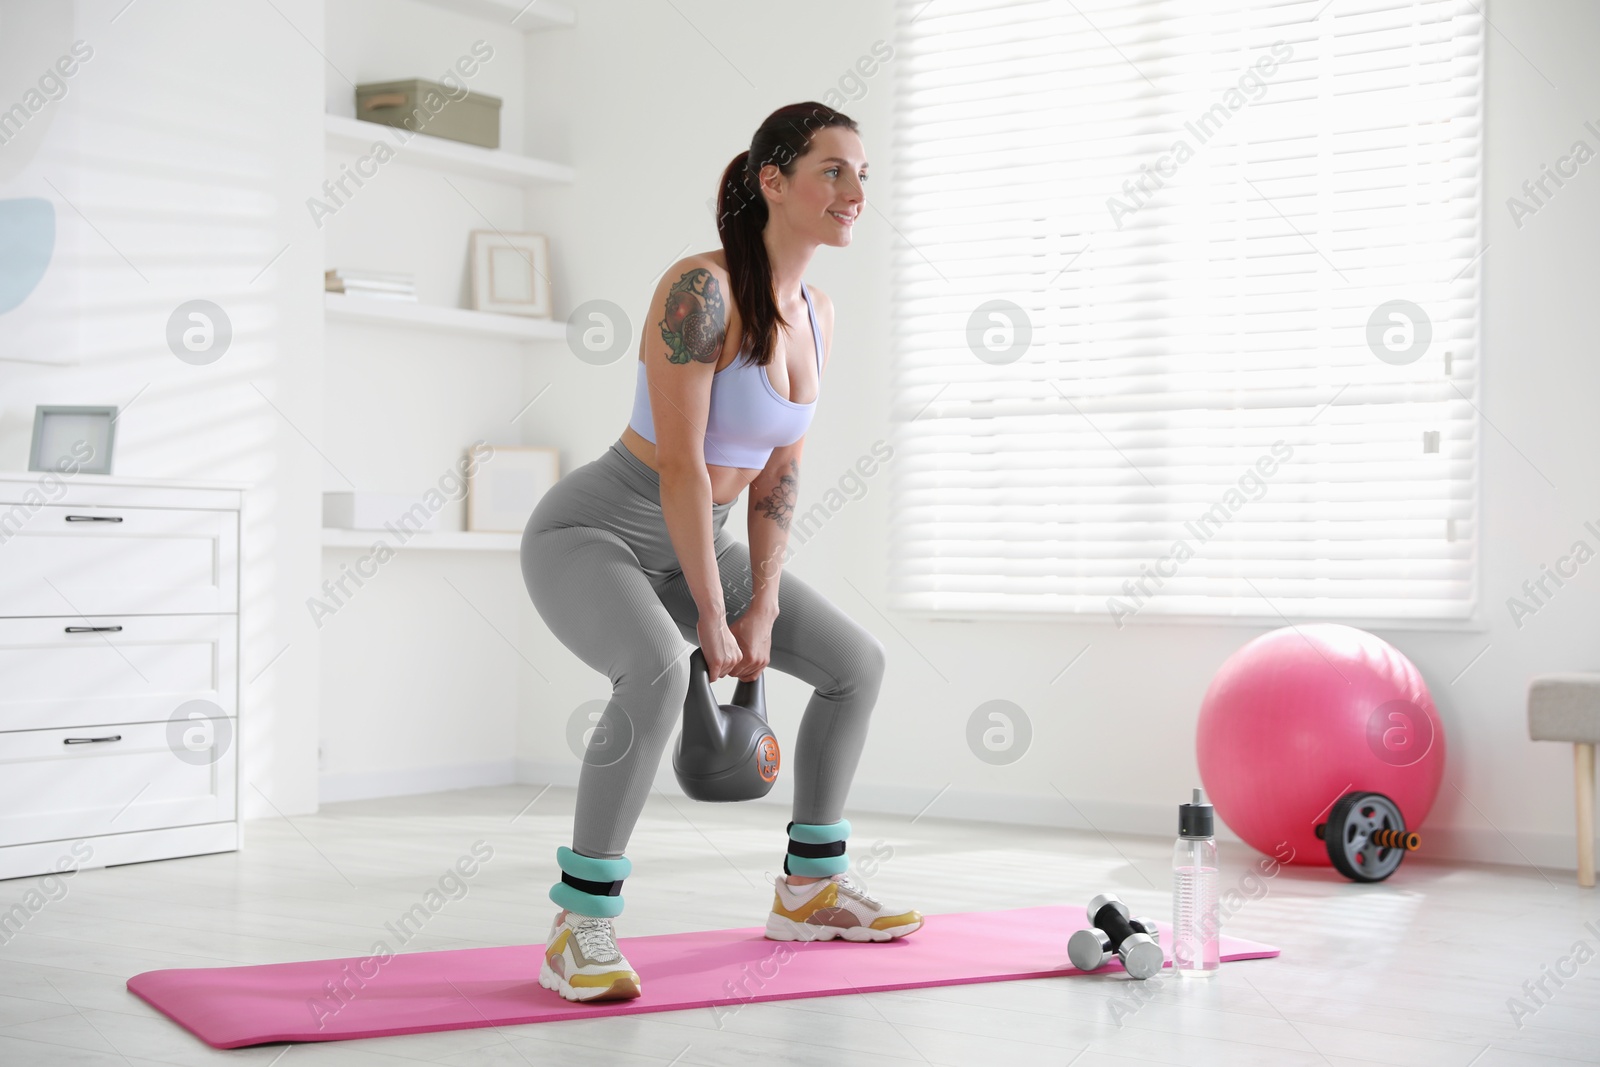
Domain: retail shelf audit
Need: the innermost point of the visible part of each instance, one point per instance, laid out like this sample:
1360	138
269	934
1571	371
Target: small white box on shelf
376	511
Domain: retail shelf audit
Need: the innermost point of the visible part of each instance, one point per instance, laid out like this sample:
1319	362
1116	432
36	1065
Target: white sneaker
582	961
834	907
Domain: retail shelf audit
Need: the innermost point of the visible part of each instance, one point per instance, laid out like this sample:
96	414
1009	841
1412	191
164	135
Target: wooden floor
1418	970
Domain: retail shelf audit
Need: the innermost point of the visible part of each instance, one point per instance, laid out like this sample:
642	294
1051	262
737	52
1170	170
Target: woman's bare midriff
726	482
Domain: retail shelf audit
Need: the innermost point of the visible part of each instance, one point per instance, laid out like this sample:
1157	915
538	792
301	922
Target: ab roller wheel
1366	836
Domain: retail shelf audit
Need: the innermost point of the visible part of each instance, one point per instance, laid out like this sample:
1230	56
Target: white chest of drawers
119	670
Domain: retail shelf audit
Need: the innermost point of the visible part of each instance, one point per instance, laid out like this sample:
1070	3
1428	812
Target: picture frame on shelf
510	273
73	437
502	491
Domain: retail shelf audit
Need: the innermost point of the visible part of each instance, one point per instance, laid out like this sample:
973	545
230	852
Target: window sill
1144	619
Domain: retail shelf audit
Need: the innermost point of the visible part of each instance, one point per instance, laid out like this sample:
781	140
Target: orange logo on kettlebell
768	756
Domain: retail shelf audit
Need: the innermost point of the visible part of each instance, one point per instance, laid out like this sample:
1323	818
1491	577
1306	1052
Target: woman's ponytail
783	137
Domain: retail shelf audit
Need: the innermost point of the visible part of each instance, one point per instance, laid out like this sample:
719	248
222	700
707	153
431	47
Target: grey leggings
603	574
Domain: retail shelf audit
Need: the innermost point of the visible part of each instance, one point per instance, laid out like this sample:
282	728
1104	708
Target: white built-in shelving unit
465	325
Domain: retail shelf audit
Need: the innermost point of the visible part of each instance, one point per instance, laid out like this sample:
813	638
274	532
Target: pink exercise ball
1301	716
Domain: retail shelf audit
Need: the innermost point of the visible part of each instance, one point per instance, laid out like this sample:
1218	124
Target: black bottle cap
1194	819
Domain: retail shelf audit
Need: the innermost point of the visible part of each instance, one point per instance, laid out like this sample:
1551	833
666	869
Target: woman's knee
872	659
652	690
855	665
817	642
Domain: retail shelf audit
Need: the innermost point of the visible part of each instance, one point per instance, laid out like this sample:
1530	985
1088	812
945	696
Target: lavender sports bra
748	418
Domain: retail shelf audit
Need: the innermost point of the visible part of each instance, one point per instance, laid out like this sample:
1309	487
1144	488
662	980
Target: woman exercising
626	557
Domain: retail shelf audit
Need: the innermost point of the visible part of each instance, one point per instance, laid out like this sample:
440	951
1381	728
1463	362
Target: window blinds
1186	308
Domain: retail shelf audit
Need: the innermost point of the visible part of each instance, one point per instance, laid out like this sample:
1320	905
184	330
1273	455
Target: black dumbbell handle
1111	919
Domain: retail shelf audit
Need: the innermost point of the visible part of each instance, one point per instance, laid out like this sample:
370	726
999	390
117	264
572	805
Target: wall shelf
411	315
440	153
529	17
450	539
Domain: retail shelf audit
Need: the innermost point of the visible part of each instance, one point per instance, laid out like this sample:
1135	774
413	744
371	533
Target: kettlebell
725	752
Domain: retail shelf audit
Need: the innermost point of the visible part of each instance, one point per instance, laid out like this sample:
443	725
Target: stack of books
385	285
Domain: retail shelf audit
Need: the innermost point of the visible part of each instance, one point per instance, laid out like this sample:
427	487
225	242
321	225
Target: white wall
193	138
176	160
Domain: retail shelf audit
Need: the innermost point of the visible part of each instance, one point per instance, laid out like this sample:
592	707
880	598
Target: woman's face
828	182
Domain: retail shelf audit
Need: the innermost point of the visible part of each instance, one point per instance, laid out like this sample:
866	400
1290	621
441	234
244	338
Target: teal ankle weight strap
816	850
589	885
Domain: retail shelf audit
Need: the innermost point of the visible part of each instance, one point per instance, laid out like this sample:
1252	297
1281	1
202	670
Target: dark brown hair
783	137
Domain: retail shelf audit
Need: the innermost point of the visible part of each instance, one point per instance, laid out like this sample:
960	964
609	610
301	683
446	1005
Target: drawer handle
90	740
93	629
94	518
379	101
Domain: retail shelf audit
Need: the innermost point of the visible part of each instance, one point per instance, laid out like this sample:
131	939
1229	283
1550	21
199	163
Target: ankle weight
589	885
816	850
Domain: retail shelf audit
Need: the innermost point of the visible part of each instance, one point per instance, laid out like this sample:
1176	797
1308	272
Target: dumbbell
1136	942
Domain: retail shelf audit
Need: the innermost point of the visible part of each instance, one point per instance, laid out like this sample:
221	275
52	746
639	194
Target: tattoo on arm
694	320
778	505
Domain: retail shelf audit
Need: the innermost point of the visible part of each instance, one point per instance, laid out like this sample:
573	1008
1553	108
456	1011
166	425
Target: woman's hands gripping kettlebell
753	632
718	645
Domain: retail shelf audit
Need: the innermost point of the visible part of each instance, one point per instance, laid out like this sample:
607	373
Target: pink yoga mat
412	992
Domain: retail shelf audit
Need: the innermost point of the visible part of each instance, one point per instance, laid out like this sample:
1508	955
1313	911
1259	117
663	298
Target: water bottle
1196	938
